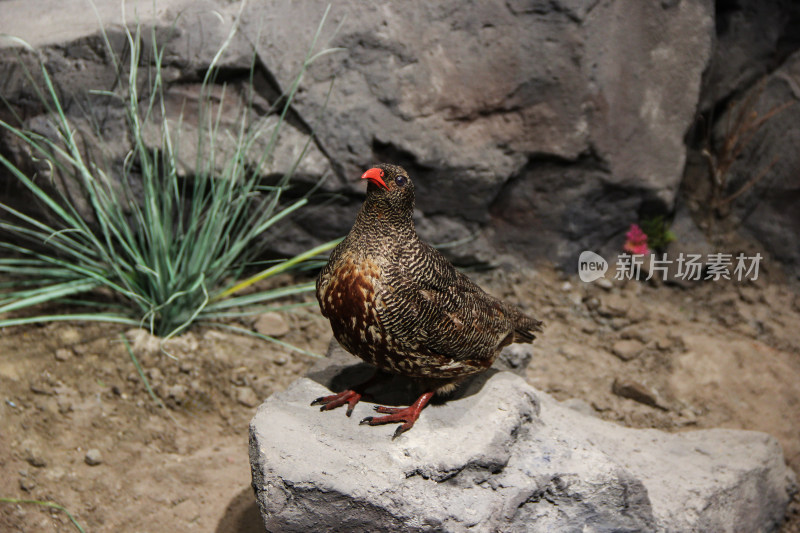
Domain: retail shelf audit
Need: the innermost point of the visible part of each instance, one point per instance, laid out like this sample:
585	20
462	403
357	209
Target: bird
398	304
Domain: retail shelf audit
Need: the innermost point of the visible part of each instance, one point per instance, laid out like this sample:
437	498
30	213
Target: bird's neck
381	217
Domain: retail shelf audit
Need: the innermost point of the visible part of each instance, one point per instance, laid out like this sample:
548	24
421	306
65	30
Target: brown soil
713	355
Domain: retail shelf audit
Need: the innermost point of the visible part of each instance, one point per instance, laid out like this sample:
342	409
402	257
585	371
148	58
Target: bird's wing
431	308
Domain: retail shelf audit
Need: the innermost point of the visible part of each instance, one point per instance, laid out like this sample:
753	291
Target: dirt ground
711	355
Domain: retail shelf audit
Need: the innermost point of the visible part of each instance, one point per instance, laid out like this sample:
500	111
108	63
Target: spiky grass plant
174	252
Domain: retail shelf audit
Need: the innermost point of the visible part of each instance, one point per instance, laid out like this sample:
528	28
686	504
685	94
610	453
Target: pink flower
636	241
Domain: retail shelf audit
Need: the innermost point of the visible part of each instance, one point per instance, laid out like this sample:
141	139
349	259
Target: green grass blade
139	370
51	505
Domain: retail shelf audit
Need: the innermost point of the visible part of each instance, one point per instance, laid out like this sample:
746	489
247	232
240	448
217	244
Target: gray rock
752	36
93	457
769	210
501	456
246	396
567	146
627	349
515	358
638	392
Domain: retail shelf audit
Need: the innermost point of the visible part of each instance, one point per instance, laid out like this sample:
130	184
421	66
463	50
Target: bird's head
391	187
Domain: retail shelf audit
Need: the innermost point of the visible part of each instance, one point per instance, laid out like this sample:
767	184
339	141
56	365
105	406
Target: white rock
501	456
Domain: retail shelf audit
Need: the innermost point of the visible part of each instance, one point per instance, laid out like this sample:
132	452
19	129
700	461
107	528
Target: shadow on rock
340	371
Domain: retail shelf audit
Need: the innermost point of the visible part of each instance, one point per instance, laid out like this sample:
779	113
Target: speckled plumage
399	304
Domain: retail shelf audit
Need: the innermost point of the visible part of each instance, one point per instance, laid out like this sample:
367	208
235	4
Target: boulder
554	120
501	456
764	176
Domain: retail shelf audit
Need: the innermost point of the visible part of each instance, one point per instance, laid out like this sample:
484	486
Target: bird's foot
408	415
349	397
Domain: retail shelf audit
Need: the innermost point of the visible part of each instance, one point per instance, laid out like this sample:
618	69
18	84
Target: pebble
633	390
247	397
178	393
566	286
27	484
69	336
592	303
34	456
271	324
663	343
63	354
605	284
627	349
619	323
93	457
614	306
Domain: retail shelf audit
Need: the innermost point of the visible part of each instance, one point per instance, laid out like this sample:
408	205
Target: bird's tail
525	327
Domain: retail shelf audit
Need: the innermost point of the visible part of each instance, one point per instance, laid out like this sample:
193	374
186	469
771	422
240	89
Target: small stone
614	306
515	358
177	393
627	349
591	303
69	336
281	360
41	388
93	457
64	405
271	324
143	343
619	323
27	484
604	284
63	354
633	390
566	286
246	396
34	456
663	343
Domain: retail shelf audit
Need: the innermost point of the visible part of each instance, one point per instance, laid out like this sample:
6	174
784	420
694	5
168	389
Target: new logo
591	266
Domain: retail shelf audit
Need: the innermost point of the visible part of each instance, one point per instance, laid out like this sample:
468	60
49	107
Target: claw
407	415
400	430
366	420
349	397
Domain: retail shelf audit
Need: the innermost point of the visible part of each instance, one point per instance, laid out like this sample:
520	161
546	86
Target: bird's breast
349	302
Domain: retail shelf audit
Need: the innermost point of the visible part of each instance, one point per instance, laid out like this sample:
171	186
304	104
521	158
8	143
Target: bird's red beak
375	175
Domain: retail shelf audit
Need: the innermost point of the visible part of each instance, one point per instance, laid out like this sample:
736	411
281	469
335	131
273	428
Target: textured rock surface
534	128
554	119
770	210
503	456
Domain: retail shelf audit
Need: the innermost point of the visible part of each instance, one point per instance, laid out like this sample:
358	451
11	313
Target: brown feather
400	305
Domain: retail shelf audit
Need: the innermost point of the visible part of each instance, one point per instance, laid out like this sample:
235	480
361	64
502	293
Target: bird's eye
400	181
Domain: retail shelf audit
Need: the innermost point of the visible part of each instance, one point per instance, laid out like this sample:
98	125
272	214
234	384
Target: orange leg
350	397
408	415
